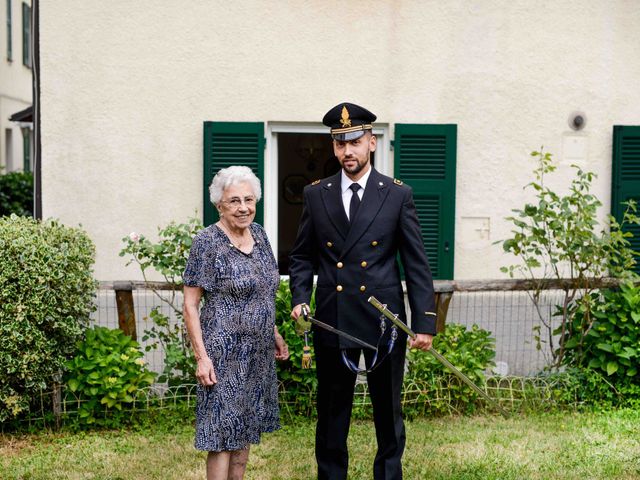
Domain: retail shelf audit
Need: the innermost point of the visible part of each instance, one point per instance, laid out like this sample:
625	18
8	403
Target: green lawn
534	446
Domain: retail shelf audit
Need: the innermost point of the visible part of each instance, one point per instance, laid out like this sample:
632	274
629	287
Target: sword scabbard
438	356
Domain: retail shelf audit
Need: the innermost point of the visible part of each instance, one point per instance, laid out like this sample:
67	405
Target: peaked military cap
348	121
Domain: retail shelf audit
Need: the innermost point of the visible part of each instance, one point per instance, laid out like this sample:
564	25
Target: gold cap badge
345	121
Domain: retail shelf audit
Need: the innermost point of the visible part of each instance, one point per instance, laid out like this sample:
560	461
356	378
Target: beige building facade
138	99
15	84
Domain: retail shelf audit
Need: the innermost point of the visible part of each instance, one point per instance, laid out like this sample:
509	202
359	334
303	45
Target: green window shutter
425	159
26	151
26	35
625	182
9	33
232	143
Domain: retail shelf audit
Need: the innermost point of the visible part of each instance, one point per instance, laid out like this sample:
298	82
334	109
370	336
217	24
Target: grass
602	445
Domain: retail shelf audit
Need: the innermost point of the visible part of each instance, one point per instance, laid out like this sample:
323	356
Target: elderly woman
234	336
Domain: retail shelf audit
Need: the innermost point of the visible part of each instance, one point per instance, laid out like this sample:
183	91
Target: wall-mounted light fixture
577	120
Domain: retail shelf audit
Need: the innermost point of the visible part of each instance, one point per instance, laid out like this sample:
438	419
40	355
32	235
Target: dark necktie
355	201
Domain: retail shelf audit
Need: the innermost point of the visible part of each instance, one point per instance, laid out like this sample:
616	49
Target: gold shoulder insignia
315	182
397	182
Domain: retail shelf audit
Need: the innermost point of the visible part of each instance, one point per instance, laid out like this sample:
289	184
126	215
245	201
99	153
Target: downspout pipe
37	145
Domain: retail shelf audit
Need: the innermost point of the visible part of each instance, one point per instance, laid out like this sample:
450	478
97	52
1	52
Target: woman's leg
238	463
218	465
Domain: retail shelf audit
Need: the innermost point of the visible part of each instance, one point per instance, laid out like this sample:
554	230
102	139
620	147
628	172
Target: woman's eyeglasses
236	202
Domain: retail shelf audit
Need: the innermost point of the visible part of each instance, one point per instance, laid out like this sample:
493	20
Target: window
26	35
26	150
9	49
8	149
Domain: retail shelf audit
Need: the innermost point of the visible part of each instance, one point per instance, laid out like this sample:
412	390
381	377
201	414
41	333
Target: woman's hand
282	349
205	373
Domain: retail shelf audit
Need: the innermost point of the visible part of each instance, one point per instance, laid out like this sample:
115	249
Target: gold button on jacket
363	264
363	288
339	288
340	265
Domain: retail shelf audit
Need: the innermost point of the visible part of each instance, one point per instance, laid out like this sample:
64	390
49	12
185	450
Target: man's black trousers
334	403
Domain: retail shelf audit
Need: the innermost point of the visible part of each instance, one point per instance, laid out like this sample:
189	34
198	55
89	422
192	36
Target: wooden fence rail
444	292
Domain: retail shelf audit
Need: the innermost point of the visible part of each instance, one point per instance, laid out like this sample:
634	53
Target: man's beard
357	168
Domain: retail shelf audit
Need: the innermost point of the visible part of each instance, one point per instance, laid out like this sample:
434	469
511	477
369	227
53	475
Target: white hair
233	175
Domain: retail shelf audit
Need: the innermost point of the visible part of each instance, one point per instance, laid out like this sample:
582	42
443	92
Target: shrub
557	237
46	296
179	360
299	384
16	194
609	345
470	351
169	258
105	375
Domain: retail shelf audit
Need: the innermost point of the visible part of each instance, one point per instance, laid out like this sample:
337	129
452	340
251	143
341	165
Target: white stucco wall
126	86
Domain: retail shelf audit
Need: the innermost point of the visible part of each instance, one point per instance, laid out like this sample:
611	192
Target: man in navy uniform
352	227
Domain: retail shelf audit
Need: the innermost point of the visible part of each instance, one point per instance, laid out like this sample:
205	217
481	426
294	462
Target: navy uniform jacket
354	262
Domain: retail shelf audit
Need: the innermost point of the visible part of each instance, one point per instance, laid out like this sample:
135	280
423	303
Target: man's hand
422	341
297	311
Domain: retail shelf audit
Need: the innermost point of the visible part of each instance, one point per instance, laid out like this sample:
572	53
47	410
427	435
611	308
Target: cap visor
347	137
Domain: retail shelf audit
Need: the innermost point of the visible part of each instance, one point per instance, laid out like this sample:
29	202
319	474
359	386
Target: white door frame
270	185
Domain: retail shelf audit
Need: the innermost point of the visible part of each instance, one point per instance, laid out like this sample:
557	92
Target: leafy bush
16	194
179	360
169	258
299	384
578	387
470	351
609	345
105	375
169	255
556	238
46	296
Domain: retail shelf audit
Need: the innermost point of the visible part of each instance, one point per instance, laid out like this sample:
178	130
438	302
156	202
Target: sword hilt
302	323
306	349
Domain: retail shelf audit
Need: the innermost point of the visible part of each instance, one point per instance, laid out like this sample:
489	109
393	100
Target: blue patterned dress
237	321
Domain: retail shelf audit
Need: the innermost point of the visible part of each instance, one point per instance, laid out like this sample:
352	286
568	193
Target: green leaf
572	342
605	346
612	367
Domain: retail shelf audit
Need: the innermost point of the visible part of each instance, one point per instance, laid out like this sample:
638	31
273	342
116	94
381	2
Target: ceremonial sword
438	356
307	315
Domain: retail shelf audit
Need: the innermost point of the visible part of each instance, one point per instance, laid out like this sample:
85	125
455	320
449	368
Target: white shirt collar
345	182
